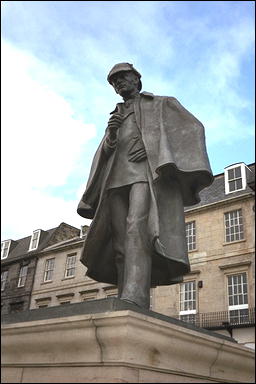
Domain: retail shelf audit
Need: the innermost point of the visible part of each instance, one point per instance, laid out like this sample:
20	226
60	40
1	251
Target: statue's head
124	74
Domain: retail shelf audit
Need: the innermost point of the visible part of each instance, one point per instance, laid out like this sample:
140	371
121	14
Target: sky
56	100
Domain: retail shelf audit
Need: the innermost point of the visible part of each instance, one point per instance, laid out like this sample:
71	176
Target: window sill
234	242
237	190
193	250
47	282
68	278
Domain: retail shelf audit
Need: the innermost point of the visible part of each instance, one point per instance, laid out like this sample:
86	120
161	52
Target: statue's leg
118	204
138	260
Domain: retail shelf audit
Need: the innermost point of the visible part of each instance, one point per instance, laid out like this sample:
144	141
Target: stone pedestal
121	344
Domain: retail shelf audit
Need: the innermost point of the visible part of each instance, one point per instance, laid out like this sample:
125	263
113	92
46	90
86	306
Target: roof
64	243
20	248
216	191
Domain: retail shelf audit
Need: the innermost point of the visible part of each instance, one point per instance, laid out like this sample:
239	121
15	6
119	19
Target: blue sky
56	99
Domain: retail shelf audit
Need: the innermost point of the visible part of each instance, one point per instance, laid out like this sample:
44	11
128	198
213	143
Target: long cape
175	145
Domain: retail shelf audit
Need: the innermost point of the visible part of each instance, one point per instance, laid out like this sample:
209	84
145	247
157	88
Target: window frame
187	312
83	231
193	235
237	307
4	280
22	276
31	247
243	177
3	248
46	271
71	266
240	224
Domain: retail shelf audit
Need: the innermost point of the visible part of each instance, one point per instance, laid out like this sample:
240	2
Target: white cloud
41	145
199	57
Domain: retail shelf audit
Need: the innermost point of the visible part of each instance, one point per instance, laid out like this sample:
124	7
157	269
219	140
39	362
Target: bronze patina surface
151	162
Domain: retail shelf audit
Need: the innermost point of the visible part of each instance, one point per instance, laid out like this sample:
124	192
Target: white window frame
182	299
242	293
237	307
31	247
23	276
82	231
239	222
70	265
4	277
243	177
5	245
48	270
191	235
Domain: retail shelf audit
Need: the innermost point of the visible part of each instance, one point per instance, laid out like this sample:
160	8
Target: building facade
60	277
218	293
18	265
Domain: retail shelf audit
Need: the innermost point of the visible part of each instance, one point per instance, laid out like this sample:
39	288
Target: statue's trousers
129	207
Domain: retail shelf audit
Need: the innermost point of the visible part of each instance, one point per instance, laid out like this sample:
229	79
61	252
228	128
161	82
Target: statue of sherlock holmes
151	163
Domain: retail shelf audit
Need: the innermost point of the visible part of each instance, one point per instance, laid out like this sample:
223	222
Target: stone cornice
218	203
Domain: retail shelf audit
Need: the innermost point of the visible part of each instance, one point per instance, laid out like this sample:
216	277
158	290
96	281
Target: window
5	247
65	298
191	235
4	276
238	298
34	240
151	299
90	294
111	291
89	298
70	266
43	302
17	306
234	226
22	276
188	301
235	178
49	267
83	231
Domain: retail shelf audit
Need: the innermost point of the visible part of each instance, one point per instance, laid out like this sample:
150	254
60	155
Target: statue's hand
114	124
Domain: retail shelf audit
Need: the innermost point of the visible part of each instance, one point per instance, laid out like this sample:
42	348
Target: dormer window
34	240
5	247
83	231
235	178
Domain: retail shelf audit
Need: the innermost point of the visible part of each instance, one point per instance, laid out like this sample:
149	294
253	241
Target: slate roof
74	240
216	191
19	249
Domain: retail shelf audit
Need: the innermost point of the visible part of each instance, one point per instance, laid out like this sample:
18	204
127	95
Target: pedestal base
119	345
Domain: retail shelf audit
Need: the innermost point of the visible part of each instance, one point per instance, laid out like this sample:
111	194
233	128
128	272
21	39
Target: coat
176	152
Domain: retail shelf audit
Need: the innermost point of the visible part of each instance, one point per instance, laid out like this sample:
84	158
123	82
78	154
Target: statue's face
125	83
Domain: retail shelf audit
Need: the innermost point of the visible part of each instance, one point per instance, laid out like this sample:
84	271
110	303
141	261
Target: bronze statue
151	163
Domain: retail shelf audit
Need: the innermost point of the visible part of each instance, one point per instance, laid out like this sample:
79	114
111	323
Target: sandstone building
18	265
217	294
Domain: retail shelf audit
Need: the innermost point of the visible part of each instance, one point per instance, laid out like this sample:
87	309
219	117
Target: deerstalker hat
122	67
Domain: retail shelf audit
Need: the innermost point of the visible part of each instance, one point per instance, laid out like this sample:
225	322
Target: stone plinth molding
121	346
